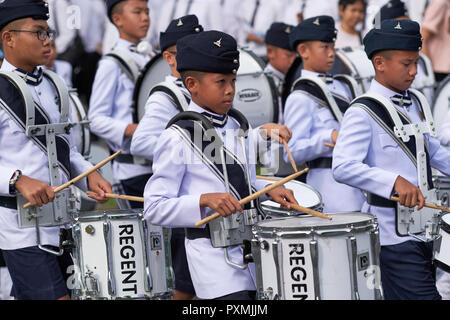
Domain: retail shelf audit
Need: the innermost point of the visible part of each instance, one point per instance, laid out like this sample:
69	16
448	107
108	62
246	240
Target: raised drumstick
255	195
118	196
331	145
294	166
428	205
81	176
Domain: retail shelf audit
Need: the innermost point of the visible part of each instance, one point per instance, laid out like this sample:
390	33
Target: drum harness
235	229
33	119
410	138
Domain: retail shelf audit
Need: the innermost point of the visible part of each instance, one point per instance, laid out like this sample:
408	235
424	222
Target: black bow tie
218	121
402	100
327	78
30	78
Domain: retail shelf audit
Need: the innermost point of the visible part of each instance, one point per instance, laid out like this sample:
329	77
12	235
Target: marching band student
183	189
110	109
367	157
352	14
311	118
159	109
394	9
24	163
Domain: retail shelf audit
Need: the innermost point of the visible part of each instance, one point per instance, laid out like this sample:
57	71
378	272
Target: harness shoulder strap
180	100
125	62
324	92
351	84
63	94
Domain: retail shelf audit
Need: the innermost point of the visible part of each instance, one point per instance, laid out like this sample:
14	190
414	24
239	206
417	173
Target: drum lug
91	285
107	237
314	251
352	257
277	252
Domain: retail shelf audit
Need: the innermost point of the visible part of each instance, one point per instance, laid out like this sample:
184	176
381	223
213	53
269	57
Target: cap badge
316	22
218	42
288	30
180	23
389	5
398	26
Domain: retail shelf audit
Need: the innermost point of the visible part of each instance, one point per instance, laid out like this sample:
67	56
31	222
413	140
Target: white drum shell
80	133
441	104
128	264
441	247
333	278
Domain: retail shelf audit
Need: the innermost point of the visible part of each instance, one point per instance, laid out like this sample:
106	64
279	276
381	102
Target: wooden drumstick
294	166
267	178
255	195
118	196
81	176
309	211
331	145
428	205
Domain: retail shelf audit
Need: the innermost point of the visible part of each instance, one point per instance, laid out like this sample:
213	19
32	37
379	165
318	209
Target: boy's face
398	68
170	55
53	55
318	56
214	91
352	14
281	59
134	20
25	47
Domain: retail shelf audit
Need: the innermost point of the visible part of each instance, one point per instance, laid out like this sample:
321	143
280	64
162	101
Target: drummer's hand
251	37
276	131
283	196
130	129
35	191
99	185
223	203
334	135
408	193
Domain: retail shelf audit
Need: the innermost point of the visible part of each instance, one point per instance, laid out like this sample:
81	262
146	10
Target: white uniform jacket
366	157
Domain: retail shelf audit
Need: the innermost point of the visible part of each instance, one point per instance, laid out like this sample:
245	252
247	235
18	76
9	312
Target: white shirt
315	8
345	39
311	126
366	157
110	109
64	70
172	197
159	109
20	152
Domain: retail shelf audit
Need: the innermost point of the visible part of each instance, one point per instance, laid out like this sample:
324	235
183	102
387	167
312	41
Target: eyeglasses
41	34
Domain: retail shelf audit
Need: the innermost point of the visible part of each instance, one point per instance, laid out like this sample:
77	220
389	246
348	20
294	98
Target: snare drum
80	133
309	258
256	94
441	246
117	255
153	73
306	196
354	62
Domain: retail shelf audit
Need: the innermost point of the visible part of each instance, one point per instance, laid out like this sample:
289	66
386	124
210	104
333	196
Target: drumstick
267	178
331	145
428	205
81	176
255	195
294	166
309	211
118	196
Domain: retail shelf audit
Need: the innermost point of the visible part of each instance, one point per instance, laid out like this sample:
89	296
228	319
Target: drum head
256	96
297	223
306	196
153	73
354	62
441	102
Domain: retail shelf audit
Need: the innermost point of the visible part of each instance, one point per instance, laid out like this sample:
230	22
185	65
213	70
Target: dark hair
345	3
191	73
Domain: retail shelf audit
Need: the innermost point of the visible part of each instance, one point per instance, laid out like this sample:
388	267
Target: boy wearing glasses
24	164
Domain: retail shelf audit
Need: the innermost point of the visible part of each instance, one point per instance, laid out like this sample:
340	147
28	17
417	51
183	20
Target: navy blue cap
393	9
319	28
278	35
393	35
110	5
208	51
11	10
179	28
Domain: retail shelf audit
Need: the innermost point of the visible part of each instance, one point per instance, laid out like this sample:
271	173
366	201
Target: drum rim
139	81
370	220
108	214
444	225
272	86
